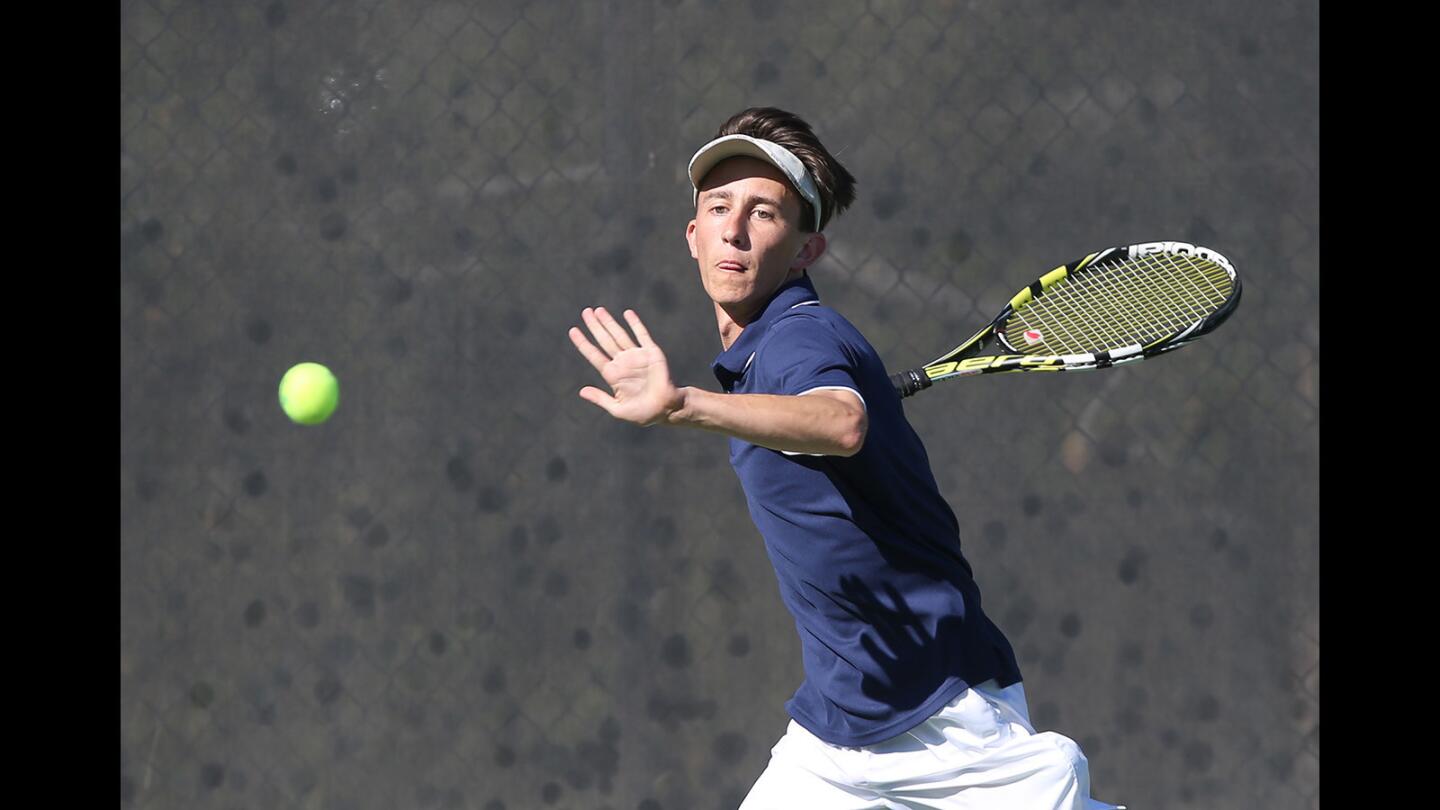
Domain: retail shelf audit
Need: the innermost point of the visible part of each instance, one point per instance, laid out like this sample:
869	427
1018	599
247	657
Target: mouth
730	267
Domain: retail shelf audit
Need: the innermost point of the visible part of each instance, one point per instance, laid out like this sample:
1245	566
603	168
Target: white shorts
978	753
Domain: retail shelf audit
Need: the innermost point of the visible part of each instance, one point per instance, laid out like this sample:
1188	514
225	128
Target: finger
596	357
641	333
602	335
622	338
594	395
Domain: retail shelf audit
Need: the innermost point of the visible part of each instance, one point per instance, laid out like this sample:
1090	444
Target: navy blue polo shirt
866	552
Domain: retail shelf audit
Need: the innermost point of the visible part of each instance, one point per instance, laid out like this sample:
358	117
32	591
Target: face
746	235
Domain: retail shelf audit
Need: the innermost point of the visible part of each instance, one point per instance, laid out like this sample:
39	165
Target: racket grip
908	382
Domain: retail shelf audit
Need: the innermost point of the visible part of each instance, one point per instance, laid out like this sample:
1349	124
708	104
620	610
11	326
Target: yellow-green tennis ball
309	393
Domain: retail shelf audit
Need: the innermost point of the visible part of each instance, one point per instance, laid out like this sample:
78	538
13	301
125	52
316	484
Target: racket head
1121	304
1116	305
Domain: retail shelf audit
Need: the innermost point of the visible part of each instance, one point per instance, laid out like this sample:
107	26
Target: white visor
768	151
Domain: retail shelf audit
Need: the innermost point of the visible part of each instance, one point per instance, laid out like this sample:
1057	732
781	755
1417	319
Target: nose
733	231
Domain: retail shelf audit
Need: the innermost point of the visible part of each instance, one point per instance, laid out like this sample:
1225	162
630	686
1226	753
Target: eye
718	209
764	214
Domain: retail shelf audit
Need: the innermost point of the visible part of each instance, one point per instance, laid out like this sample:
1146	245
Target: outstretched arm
824	422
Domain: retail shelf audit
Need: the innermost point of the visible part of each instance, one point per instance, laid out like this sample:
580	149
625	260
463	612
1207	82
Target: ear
690	238
810	252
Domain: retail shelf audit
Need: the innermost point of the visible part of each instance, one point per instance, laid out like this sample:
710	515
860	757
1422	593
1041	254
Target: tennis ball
309	393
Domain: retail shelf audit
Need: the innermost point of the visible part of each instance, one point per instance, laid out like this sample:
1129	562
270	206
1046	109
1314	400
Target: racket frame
964	360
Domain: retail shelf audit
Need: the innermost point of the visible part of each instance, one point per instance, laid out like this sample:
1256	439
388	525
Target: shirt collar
732	362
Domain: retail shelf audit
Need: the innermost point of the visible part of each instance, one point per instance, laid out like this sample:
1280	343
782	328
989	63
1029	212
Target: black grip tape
908	382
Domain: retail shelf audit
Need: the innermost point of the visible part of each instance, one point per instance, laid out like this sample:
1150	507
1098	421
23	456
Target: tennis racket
1119	305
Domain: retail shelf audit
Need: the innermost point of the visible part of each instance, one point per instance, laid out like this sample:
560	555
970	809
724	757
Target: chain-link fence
472	589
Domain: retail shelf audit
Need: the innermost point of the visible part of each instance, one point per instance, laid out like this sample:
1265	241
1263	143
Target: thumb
594	395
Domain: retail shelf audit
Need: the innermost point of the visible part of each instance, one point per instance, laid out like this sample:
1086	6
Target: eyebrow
725	195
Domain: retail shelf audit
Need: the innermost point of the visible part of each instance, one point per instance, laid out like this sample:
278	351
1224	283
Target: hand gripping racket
1115	306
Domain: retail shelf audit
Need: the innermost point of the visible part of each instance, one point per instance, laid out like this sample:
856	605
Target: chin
729	293
728	301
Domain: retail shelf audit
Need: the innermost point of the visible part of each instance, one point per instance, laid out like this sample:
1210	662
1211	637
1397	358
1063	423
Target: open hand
635	370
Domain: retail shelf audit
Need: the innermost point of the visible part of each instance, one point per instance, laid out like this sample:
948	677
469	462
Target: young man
912	697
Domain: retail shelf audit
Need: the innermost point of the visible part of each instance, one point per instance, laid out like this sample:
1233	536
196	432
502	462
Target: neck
732	322
730	327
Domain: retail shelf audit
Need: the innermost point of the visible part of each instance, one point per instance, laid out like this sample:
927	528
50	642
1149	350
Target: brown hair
836	185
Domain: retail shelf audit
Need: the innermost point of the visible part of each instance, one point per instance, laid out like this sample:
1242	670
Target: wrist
677	413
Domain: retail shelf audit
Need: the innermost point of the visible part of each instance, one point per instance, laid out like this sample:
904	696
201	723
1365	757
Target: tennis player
912	697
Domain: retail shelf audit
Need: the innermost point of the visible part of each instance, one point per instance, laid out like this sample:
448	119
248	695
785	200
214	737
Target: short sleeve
802	353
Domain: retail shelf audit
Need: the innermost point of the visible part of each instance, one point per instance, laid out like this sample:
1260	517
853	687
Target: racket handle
908	382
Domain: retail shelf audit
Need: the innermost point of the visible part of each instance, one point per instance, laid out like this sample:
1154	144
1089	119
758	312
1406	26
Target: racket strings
1154	297
1214	276
1176	289
1090	310
1193	289
1166	295
1044	316
1126	303
1096	316
1179	285
1114	317
1078	318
